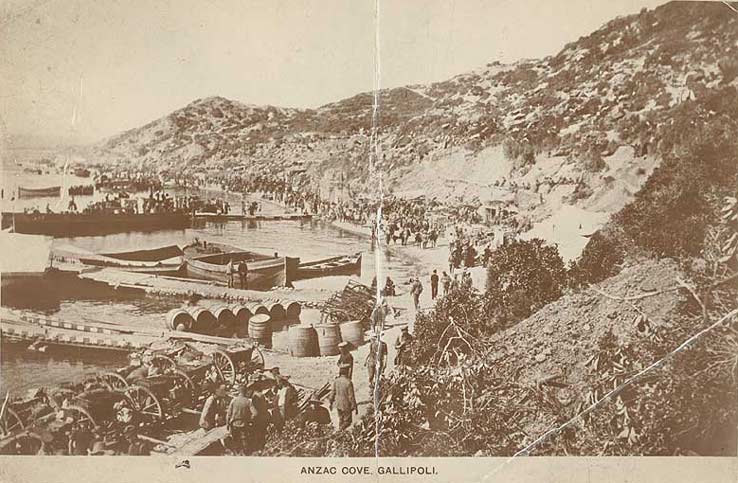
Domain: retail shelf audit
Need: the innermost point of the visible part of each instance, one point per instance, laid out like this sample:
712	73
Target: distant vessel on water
92	224
51	192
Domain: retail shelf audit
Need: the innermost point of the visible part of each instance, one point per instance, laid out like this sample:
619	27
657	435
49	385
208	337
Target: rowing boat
158	261
332	266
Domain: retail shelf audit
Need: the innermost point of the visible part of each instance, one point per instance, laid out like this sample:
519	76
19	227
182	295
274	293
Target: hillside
584	128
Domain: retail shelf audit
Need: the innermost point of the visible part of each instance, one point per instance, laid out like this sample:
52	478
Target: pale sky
82	70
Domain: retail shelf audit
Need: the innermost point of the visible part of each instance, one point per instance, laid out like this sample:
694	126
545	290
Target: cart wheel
114	381
82	415
257	360
166	363
10	422
225	367
186	382
144	402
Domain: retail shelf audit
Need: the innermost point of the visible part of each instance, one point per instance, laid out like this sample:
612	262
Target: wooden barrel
223	314
242	314
260	329
257	308
292	310
276	311
303	341
205	321
329	336
179	319
352	332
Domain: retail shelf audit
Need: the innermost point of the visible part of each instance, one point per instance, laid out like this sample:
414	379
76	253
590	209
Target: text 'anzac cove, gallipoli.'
366	470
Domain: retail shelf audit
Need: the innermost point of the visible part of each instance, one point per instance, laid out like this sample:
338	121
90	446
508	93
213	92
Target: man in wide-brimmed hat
345	359
287	399
315	412
214	409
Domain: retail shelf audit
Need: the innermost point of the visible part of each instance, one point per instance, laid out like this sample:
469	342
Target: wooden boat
264	272
332	266
158	261
53	191
90	224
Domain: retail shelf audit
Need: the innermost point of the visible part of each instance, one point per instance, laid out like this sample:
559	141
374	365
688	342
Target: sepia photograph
321	231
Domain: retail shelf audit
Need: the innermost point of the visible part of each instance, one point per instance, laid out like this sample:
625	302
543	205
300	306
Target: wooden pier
236	217
44	331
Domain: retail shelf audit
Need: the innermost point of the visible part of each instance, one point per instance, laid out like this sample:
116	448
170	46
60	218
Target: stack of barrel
191	319
253	320
323	338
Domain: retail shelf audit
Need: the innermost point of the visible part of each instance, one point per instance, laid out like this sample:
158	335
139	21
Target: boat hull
264	272
330	267
71	224
158	261
52	192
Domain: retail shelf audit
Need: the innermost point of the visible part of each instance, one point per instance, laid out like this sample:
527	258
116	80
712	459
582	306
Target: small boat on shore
82	172
332	266
158	261
264	272
51	192
91	224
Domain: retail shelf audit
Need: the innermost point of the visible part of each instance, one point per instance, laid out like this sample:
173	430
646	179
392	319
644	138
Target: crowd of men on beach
260	410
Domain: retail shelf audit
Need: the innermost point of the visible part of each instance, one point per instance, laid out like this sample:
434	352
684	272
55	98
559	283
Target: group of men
242	269
343	396
248	415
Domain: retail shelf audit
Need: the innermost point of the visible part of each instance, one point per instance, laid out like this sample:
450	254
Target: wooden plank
200	441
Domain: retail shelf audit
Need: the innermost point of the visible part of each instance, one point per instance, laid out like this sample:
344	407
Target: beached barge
91	224
211	262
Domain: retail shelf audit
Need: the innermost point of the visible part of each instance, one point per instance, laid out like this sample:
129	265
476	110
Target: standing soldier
229	273
377	353
345	359
416	290
260	420
402	344
434	284
446	281
287	399
238	421
344	398
378	315
243	274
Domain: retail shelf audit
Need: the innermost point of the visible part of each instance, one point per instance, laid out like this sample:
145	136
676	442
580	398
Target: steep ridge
581	130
